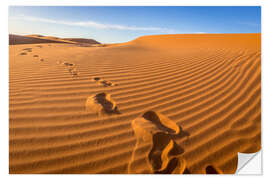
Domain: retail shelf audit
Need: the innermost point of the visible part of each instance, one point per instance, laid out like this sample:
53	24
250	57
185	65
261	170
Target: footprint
155	141
159	156
68	64
97	78
35	56
71	68
101	103
73	72
23	53
105	83
27	49
212	170
162	122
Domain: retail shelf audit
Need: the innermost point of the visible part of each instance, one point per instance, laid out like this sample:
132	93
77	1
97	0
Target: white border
253	165
265	78
138	2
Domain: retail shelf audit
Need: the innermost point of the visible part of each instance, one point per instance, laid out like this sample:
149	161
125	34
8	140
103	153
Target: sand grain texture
195	100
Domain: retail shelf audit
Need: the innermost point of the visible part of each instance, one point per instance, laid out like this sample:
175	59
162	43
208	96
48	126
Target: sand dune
16	39
82	40
37	39
157	104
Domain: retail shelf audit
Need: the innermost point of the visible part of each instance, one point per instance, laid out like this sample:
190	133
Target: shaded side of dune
82	40
17	39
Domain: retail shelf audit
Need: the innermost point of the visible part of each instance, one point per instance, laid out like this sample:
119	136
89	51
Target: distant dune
81	40
157	104
16	39
37	39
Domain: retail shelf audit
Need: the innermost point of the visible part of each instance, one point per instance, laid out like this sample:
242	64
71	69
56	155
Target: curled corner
249	163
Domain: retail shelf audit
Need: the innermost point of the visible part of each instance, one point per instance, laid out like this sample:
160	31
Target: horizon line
201	33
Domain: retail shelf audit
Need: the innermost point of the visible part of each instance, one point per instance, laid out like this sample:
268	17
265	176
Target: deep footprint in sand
71	68
163	155
105	83
27	49
155	142
23	53
101	104
68	64
73	72
212	170
97	78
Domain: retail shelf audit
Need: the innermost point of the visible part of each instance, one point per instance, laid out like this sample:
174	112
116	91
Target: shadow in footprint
212	170
100	103
170	167
27	49
35	56
23	53
186	171
158	133
160	141
162	122
96	78
175	166
106	83
108	105
164	148
68	64
182	134
73	72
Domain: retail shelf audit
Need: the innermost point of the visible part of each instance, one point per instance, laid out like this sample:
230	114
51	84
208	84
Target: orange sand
157	104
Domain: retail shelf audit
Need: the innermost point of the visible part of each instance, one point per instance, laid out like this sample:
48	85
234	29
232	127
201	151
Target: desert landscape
179	103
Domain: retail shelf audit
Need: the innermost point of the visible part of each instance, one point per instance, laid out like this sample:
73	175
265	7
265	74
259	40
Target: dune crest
37	39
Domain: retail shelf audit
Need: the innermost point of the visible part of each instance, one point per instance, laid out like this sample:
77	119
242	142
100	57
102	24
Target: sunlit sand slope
157	104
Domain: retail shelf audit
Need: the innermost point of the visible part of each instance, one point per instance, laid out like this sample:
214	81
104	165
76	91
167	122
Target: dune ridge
37	39
157	104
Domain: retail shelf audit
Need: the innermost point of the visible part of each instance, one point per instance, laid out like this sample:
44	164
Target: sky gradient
114	24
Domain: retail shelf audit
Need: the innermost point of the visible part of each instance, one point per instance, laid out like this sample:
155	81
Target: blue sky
113	24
